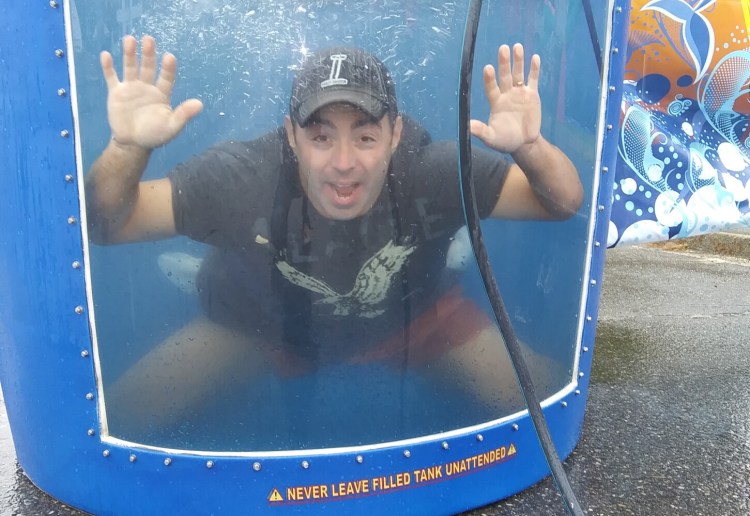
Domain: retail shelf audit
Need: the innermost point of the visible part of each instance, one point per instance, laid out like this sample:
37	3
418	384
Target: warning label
397	481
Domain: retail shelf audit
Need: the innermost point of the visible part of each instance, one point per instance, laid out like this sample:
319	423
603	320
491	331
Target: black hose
488	278
592	33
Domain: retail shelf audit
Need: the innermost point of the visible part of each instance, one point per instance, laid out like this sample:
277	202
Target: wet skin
343	157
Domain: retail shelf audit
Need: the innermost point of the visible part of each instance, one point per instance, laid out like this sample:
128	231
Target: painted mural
684	144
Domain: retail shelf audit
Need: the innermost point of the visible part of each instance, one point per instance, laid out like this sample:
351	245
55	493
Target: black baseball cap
342	74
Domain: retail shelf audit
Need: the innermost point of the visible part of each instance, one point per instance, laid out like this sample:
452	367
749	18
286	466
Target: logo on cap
333	78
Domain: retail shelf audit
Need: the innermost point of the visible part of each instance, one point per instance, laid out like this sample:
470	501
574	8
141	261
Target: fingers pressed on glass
165	82
491	88
129	59
148	59
108	69
503	65
534	71
518	65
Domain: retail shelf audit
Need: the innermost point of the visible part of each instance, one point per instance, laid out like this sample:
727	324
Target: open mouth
344	191
344	194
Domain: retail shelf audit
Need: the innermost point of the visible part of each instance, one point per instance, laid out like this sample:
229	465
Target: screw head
61	92
563	404
305	464
480	437
256	466
53	4
76	264
445	445
85	353
514	427
360	459
59	52
64	133
132	457
407	453
89	396
72	220
167	461
209	464
68	178
90	432
105	453
79	309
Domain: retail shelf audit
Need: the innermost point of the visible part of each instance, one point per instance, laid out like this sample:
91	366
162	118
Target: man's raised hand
515	108
138	106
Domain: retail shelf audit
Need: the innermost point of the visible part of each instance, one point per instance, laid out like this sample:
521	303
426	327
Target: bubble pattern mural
684	148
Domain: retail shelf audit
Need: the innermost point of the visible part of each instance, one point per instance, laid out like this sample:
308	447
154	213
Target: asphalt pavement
667	428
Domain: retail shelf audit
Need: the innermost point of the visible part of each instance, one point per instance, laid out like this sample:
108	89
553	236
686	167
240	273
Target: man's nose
343	157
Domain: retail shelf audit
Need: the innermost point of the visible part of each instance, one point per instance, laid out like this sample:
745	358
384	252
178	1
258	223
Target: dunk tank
81	322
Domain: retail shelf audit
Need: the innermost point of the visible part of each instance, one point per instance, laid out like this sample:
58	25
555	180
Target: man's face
343	157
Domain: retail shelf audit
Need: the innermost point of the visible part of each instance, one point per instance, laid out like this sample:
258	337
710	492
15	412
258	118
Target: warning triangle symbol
512	449
275	496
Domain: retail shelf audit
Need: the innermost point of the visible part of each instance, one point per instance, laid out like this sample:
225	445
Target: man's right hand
138	107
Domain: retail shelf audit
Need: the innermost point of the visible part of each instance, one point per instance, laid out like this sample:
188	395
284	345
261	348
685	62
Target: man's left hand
515	108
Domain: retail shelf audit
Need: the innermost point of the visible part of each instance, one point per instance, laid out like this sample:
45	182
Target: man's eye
368	139
321	138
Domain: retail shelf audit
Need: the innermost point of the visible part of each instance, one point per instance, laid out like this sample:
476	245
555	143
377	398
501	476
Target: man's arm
120	207
543	183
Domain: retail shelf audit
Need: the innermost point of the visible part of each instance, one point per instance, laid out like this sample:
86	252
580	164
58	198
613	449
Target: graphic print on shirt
370	288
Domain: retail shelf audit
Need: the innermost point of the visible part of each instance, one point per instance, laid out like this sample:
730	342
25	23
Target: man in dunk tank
328	235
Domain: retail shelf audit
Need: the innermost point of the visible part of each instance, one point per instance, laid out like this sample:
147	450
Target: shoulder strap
400	183
287	189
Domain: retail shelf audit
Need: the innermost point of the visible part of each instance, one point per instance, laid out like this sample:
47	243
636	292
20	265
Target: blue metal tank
356	438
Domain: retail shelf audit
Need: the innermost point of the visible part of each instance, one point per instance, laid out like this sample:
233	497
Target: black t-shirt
325	288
